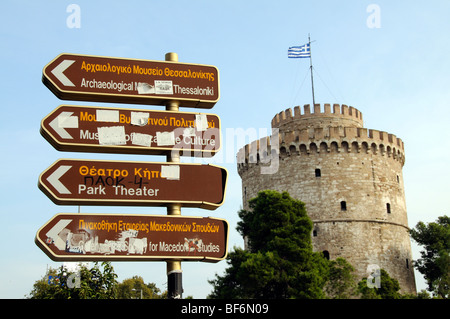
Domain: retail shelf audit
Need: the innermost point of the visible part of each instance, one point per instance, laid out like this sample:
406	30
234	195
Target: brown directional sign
108	79
120	183
116	130
91	237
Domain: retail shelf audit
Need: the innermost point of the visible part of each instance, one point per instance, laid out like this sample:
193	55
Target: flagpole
311	67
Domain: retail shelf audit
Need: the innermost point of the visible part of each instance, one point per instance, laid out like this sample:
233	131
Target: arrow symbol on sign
54	233
58	72
53	179
62	121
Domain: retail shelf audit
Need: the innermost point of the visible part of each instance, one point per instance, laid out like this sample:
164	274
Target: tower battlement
330	116
318	140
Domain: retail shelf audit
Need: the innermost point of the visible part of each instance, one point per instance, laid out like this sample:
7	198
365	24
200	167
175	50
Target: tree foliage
98	282
389	288
341	282
280	262
434	263
136	288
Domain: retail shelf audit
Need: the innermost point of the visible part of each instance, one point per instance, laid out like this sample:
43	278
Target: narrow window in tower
326	254
398	179
388	208
407	263
318	173
343	205
314	233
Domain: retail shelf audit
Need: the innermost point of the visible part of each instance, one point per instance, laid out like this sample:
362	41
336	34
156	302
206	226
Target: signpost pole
174	272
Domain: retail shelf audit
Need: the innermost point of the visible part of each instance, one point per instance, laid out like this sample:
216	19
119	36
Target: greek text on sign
108	79
116	130
90	237
96	182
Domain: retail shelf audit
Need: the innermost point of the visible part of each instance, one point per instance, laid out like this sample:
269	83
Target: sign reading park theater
119	183
118	130
107	79
90	237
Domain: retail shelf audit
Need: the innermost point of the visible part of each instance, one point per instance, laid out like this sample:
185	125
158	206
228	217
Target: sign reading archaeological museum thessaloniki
119	130
109	79
91	237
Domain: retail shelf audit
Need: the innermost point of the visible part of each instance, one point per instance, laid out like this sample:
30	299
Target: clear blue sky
397	75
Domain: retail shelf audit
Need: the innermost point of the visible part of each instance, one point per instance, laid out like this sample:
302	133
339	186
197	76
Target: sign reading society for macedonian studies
90	237
108	79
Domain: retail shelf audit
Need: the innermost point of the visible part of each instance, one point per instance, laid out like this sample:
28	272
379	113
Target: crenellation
391	138
345	110
362	132
297	112
336	109
291	118
353	112
317	111
372	133
351	132
288	114
307	109
275	120
357	138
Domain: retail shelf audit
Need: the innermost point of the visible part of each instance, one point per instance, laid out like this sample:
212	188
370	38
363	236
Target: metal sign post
174	272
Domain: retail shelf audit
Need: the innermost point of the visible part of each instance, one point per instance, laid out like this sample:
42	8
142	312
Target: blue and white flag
303	51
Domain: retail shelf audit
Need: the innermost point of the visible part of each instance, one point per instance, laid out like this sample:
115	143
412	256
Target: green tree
44	287
434	263
135	288
280	262
389	288
342	282
93	283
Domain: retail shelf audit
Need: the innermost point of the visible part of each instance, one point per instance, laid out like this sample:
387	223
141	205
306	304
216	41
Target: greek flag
303	51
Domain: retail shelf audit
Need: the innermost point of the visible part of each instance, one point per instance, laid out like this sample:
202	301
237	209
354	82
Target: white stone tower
350	179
